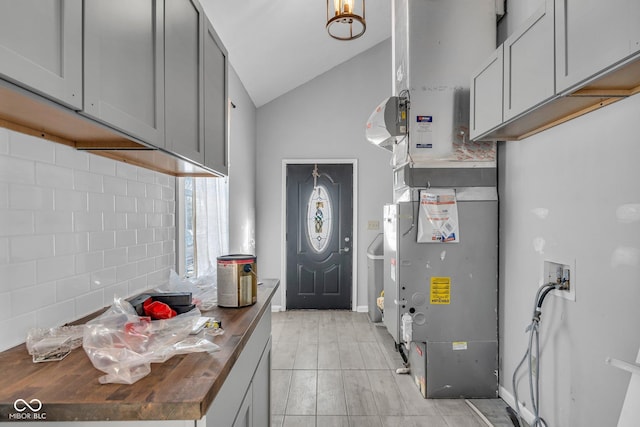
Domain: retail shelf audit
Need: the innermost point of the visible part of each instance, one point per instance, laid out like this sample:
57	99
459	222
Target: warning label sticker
441	290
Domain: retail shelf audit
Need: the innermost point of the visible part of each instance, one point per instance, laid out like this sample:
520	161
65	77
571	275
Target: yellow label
441	290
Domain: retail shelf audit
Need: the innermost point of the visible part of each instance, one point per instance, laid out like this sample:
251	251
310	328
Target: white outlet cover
571	294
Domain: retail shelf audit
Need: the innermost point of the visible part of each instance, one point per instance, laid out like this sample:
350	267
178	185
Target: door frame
283	227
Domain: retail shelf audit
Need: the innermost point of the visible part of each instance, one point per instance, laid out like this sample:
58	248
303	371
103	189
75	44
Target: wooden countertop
182	388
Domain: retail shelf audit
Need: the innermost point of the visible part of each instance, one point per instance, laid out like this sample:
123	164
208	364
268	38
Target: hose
534	339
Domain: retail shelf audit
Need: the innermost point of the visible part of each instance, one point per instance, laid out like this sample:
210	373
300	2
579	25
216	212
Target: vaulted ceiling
277	45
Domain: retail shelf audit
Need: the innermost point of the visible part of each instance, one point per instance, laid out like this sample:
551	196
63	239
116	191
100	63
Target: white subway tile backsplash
115	257
103	278
71	287
87	221
4	141
99	202
137	253
53	222
90	302
13	331
32	148
136	221
15	223
71	243
125	238
125	204
144	235
28	248
154	191
71	158
138	285
88	262
54	176
56	314
148	176
54	268
119	290
102	240
154	220
145	206
4	195
30	197
145	266
5	306
87	181
17	171
17	275
69	200
114	221
126	271
113	185
102	165
24	300
75	230
127	171
154	249
4	250
136	189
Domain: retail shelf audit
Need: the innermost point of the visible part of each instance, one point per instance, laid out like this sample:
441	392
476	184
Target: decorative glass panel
319	218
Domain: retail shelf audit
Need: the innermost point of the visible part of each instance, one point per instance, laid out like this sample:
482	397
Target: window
203	225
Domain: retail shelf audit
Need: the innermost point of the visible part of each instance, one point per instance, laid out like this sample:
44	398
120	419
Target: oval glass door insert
319	218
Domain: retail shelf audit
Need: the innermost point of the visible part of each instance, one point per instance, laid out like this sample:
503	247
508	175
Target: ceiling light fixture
345	19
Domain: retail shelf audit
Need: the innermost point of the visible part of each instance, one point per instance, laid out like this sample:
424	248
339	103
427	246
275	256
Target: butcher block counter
225	388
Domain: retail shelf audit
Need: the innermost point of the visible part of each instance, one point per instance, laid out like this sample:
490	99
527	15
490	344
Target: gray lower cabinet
184	74
41	47
244	399
124	66
216	102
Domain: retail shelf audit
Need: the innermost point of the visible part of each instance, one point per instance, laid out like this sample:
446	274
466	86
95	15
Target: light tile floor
337	369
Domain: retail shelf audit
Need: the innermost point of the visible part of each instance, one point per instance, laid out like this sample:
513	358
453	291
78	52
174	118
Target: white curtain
211	223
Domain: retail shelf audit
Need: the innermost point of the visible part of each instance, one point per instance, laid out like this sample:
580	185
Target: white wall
572	193
324	119
242	168
75	230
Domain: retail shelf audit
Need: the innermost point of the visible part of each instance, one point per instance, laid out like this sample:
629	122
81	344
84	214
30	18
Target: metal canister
237	280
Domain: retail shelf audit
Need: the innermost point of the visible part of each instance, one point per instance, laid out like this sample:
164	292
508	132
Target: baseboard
276	308
362	309
509	400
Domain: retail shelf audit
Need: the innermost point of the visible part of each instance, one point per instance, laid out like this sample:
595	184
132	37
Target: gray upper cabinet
215	102
592	35
184	73
529	74
124	66
41	47
486	94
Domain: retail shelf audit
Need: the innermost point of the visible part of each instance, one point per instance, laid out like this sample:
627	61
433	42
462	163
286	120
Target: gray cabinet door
261	390
184	109
486	95
124	66
41	47
583	46
215	102
245	417
529	74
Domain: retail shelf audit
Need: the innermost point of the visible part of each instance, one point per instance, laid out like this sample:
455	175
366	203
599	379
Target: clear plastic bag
123	345
47	345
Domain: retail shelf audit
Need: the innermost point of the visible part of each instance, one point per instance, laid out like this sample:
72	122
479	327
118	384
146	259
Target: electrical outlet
562	274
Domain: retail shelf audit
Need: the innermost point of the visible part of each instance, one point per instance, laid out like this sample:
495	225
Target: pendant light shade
345	19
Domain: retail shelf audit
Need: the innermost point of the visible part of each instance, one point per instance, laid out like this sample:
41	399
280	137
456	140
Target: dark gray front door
319	236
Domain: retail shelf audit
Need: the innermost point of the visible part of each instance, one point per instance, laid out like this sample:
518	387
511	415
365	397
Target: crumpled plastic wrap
46	345
123	345
203	289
